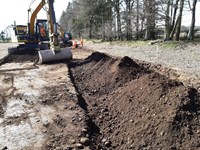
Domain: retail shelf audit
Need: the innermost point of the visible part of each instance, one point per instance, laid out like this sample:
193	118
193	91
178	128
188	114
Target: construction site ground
129	98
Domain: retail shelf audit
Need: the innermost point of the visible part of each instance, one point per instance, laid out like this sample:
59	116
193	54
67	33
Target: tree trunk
178	29
103	29
137	21
167	23
128	20
90	27
150	19
191	32
117	9
110	22
174	15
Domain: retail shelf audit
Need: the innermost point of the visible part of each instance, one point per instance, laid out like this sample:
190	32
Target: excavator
44	36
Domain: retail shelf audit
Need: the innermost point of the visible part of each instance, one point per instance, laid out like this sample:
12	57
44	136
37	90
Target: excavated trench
127	105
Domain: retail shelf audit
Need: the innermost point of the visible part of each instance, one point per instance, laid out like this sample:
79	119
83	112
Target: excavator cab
67	39
42	30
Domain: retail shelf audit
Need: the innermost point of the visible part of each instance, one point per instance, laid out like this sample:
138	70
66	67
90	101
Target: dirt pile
133	107
21	55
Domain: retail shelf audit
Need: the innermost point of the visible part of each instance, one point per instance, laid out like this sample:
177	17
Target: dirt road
4	47
38	105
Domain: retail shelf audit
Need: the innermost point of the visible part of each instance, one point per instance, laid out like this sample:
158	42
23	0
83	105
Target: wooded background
129	19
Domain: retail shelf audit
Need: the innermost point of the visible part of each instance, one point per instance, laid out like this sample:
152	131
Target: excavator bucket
49	55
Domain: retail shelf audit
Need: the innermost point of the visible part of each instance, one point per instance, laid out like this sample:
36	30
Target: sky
17	10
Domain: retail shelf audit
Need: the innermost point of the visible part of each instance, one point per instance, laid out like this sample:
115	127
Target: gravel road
184	57
4	48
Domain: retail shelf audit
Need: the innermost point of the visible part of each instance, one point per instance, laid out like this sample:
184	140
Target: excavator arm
33	17
56	53
54	35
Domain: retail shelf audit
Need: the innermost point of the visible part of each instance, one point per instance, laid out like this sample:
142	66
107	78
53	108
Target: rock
101	116
5	148
79	145
104	140
46	123
85	141
79	119
68	148
162	133
84	130
108	144
87	135
104	99
198	131
44	130
73	141
87	148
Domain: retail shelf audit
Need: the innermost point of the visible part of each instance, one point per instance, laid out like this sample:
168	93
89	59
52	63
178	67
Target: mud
135	107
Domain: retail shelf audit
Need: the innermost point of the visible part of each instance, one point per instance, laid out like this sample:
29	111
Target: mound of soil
20	56
135	108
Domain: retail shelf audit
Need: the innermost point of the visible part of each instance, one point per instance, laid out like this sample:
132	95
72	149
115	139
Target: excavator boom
33	17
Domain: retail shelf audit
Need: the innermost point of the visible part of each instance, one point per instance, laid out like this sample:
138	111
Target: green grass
170	44
121	43
130	43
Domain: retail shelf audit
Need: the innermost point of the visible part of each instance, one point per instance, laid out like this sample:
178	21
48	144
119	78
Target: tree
167	22
178	27
117	8
191	31
150	6
128	18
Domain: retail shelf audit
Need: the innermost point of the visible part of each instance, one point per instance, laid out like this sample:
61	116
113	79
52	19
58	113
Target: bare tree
150	19
179	19
128	18
117	8
167	22
191	31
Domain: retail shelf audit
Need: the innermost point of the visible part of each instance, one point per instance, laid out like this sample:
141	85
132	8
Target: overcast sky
17	10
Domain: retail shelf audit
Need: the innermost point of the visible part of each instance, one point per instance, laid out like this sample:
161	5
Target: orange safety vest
42	32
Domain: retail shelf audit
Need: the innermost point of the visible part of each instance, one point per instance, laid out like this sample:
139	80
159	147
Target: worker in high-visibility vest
42	31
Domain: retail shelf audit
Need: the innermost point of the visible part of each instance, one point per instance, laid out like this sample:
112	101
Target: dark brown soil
20	56
59	132
132	107
2	105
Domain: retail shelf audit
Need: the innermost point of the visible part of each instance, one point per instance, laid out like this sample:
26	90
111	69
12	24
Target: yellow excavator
43	35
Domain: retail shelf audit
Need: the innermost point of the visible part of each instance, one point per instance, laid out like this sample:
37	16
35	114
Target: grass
170	44
121	43
130	43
